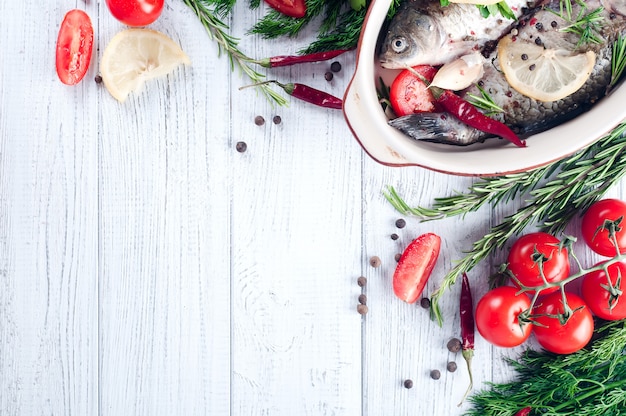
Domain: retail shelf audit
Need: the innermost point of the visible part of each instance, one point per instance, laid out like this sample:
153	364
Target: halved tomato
415	266
293	8
409	93
74	47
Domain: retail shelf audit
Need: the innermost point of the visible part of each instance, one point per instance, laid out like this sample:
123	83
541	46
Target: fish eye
399	44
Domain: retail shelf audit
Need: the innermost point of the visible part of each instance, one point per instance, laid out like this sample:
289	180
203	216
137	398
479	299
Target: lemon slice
134	56
543	74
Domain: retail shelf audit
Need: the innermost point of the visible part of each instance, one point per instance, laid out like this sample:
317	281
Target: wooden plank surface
148	267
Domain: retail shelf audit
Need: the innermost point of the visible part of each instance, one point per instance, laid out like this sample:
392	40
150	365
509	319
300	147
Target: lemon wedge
543	74
134	56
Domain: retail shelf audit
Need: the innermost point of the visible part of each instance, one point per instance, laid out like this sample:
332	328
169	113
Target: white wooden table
149	268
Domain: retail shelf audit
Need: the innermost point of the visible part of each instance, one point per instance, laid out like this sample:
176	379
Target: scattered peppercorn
328	76
398	256
554	23
241	147
425	303
524	57
400	223
259	120
538	41
362	309
454	345
362	299
98	79
335	66
451	366
375	261
539	26
532	67
277	120
361	281
394	236
435	374
408	383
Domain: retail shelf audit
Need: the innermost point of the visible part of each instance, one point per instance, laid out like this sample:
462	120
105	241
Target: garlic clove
461	73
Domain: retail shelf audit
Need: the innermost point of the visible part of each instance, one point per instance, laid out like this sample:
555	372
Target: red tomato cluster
562	321
75	41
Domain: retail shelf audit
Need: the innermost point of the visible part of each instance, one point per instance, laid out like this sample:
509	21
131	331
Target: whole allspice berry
361	281
435	374
362	299
362	309
375	261
451	366
454	345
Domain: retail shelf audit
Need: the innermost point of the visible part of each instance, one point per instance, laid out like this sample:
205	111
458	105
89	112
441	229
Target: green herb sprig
212	15
618	60
556	193
589	382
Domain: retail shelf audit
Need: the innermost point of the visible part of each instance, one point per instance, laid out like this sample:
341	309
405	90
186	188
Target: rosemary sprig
587	26
571	185
618	60
485	102
589	382
211	15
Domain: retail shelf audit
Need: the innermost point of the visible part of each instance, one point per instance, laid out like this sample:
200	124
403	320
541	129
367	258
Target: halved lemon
134	56
543	74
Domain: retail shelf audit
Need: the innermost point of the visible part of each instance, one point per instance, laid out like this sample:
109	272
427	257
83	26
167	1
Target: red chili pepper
524	412
467	329
286	60
471	116
311	95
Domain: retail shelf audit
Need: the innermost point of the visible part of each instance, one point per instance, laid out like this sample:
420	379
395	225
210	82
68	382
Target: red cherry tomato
74	47
135	12
415	266
595	292
293	8
497	317
597	222
523	265
409	94
562	338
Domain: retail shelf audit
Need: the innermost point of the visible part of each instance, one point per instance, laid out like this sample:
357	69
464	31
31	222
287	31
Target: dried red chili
287	60
467	328
310	95
471	116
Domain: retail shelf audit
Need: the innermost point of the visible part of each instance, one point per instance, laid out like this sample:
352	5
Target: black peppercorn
532	67
454	345
277	120
375	261
435	374
539	26
335	66
328	76
259	120
362	299
394	236
241	147
538	41
408	383
524	57
400	223
398	256
554	23
98	79
425	303
361	281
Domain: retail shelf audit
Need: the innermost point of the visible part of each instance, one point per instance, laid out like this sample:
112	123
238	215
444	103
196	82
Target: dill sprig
556	193
212	14
589	382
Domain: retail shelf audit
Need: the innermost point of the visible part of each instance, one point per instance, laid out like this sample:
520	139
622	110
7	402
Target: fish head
413	38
